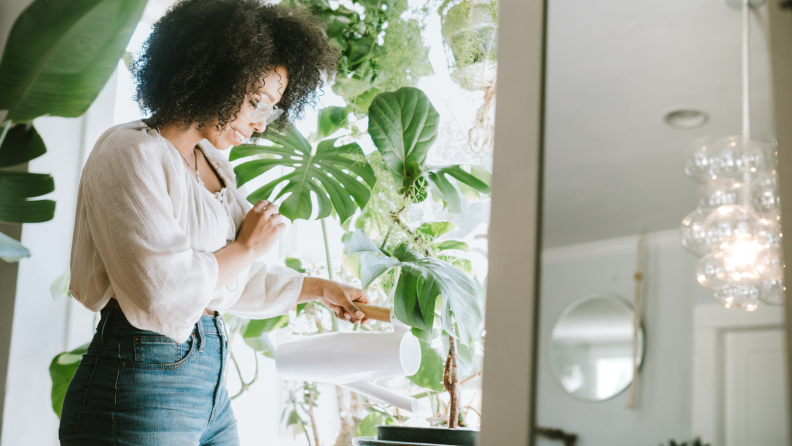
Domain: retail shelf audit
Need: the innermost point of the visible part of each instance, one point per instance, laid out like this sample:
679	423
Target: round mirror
592	345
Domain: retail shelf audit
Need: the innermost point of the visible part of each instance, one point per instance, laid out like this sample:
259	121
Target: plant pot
419	436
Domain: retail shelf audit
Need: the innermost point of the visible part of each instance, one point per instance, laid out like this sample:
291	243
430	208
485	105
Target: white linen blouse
145	231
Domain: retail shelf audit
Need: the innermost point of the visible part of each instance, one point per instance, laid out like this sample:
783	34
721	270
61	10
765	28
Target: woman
163	240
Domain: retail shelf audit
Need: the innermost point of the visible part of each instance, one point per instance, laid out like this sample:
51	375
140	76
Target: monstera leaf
403	125
60	54
337	176
421	281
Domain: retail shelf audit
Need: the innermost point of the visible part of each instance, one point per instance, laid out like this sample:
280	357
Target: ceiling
615	68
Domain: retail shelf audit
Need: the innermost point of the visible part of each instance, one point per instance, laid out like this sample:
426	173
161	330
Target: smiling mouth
241	135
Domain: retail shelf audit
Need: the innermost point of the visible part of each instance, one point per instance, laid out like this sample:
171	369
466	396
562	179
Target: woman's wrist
312	289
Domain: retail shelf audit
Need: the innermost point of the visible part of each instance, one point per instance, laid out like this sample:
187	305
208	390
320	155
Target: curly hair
204	57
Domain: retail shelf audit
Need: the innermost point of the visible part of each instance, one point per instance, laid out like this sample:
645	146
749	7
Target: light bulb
694	239
772	292
698	159
719	193
727	224
744	297
764	194
733	156
711	271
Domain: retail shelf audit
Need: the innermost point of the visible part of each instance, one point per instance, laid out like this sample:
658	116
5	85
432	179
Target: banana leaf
61	53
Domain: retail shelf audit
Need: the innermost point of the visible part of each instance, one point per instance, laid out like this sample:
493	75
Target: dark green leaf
21	211
430	375
22	185
337	176
330	120
60	54
22	144
422	335
62	369
403	125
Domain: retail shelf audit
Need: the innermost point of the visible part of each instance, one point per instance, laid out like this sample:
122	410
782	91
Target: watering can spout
353	359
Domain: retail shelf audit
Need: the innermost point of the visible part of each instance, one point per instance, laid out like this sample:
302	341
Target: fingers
353	312
261	205
270	210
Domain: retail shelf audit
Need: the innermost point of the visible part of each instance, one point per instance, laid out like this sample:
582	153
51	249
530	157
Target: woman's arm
337	297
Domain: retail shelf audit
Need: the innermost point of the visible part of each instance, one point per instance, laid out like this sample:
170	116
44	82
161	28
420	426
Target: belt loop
102	325
201	337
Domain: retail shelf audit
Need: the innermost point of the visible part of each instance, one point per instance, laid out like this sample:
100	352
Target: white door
755	397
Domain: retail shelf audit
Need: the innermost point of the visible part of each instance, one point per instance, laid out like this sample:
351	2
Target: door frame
780	18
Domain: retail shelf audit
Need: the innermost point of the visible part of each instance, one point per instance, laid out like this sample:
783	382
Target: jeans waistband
209	324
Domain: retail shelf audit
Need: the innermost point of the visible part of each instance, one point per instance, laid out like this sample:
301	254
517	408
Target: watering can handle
374	312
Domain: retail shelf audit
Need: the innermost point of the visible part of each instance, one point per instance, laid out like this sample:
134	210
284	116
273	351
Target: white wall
664	399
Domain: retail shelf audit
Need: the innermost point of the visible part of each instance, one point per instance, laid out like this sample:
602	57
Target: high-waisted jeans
141	388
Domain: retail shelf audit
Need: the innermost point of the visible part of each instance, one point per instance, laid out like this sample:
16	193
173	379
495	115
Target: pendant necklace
195	169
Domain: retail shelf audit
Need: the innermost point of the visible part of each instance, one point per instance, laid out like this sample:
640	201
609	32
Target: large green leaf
62	369
438	177
22	144
422	280
60	54
368	426
430	375
258	326
337	176
403	125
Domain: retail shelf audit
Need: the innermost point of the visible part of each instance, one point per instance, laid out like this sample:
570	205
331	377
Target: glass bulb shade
728	224
711	271
699	159
769	262
772	292
722	192
764	193
744	297
769	227
734	156
694	239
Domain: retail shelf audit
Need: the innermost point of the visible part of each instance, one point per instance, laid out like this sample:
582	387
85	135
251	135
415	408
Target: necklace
195	169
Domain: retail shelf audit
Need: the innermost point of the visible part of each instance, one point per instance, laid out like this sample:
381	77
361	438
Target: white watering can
352	360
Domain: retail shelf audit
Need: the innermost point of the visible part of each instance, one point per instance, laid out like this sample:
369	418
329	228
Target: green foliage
421	281
403	125
368	426
61	369
381	49
60	54
430	375
335	175
451	196
295	264
469	31
256	337
22	144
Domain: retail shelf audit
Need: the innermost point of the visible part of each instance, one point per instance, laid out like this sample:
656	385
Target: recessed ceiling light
686	118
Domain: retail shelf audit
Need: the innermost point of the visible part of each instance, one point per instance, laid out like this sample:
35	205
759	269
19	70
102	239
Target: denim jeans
141	388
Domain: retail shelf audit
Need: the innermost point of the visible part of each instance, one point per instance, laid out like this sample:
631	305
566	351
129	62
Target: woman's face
234	134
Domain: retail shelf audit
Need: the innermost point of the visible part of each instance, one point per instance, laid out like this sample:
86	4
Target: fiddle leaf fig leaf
339	177
403	125
437	228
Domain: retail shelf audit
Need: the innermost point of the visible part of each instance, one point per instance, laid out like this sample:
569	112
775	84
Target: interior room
560	221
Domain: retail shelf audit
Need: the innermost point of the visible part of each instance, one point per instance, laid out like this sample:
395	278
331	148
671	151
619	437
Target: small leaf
438	176
62	369
59	288
11	250
452	244
22	144
294	264
261	344
438	228
368	426
330	120
258	326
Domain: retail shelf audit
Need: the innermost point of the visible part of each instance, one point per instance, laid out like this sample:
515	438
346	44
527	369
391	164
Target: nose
259	127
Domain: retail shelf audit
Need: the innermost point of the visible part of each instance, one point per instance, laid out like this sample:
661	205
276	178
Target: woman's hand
339	298
261	228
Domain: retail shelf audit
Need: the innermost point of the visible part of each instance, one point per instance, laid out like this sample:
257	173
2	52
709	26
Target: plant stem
311	393
305	431
4	131
333	320
450	382
245	386
387	235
